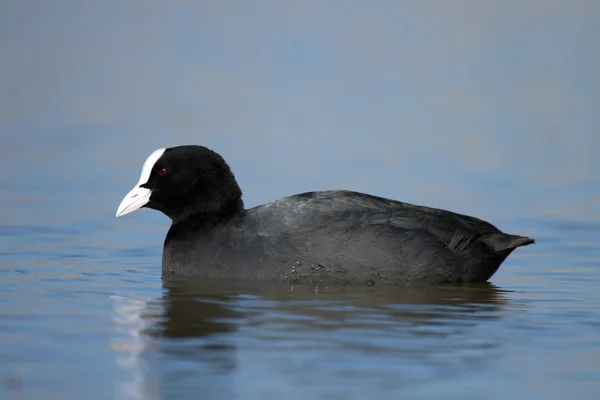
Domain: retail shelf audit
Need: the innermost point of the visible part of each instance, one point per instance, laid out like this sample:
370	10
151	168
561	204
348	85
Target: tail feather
499	242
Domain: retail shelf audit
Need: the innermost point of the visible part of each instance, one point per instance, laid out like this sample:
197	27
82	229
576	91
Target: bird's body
337	237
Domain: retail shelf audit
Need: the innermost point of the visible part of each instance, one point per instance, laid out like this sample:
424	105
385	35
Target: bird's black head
183	182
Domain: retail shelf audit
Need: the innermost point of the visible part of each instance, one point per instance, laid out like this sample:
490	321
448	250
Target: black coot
329	237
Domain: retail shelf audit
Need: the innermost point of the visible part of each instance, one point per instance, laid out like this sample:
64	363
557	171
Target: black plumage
329	236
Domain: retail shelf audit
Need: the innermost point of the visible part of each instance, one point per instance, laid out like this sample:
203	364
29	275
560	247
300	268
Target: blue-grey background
485	108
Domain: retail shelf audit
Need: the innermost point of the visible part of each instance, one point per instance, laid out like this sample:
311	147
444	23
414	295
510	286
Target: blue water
489	110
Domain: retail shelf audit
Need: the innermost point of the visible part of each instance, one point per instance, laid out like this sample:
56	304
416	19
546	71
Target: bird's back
311	209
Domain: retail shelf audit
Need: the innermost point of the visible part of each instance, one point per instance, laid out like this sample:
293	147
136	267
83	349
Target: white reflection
130	344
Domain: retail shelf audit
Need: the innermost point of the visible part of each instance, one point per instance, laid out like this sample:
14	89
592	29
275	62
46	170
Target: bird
337	237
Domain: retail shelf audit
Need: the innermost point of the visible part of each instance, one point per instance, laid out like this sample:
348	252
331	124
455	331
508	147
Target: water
495	117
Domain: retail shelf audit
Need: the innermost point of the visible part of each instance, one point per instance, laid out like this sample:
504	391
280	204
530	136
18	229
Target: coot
335	236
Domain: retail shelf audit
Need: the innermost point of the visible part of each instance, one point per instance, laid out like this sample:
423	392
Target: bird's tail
500	242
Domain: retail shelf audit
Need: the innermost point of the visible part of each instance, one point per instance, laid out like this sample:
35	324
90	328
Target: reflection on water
208	335
129	345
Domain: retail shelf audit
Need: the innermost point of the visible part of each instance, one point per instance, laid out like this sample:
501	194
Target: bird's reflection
204	308
191	310
197	328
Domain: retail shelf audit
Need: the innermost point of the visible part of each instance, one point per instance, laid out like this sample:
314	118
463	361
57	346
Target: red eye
162	171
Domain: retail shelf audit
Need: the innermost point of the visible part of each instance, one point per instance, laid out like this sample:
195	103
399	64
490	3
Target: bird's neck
206	217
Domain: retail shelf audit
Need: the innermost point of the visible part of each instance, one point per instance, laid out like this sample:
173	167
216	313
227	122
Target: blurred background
485	108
